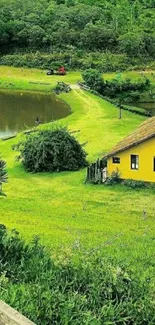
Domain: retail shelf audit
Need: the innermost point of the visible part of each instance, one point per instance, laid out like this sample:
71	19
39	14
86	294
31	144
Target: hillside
97	265
122	27
60	208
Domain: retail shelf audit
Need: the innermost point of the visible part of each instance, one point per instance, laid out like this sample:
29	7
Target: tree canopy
119	26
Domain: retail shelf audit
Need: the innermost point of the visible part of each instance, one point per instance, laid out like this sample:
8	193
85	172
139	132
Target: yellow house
134	156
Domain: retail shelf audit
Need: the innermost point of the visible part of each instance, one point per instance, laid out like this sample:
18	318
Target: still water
18	110
150	107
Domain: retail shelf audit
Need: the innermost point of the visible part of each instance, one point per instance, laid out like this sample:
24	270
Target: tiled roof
144	132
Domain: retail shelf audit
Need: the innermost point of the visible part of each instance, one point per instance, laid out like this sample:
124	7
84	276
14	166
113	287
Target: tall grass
84	289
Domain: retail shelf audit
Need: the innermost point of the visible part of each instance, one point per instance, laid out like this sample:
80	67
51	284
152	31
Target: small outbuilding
134	156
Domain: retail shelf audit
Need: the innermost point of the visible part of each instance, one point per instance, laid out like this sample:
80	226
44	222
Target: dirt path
75	86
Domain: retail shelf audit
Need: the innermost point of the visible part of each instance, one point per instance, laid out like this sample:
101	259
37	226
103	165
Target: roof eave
128	147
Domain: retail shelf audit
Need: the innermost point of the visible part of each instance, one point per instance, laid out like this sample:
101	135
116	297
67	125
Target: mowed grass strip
66	212
32	79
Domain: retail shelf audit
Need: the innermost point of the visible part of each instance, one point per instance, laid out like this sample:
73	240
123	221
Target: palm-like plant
3	174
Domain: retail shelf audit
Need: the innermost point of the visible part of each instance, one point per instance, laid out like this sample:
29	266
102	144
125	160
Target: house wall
146	153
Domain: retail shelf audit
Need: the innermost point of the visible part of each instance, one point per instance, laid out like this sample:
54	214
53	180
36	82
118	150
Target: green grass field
60	208
134	75
32	79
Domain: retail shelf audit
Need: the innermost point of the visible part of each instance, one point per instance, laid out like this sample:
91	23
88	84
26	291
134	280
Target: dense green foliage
93	79
88	289
106	62
3	174
135	184
126	90
118	26
51	150
114	178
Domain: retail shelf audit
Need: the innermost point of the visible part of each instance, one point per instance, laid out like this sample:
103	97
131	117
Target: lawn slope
64	211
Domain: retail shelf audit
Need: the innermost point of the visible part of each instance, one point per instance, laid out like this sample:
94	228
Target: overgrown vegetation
124	90
123	30
3	175
88	289
135	184
114	178
51	150
106	62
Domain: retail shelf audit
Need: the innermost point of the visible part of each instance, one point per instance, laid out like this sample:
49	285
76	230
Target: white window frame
134	159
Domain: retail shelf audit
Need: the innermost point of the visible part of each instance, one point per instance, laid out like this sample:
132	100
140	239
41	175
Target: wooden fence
83	86
96	172
9	316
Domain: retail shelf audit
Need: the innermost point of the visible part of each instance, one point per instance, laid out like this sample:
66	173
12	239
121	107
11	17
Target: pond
148	106
19	110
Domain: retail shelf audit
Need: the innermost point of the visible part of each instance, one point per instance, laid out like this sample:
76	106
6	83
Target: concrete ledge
9	316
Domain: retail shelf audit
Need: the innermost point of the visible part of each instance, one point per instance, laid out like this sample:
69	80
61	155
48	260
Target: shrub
134	96
3	175
80	59
114	87
51	150
114	178
135	184
19	261
125	90
93	78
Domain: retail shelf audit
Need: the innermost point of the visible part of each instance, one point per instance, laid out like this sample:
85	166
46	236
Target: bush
19	261
93	78
135	184
36	60
134	96
51	150
123	89
79	60
114	178
3	175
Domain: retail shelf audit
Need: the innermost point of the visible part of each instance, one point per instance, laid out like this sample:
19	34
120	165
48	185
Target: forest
54	26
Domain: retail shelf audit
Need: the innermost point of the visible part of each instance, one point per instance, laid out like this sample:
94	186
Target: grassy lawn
134	75
60	208
32	79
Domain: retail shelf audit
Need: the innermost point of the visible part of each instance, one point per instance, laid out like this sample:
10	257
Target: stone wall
9	316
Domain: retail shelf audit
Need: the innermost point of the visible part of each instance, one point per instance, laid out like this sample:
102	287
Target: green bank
59	207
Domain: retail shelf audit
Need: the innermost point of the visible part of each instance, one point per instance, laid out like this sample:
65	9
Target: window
134	162
116	160
154	164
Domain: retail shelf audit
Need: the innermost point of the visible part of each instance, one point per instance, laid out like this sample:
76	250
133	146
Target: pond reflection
19	110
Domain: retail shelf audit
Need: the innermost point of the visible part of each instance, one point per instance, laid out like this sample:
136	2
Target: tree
33	35
3	175
95	25
51	150
59	2
97	36
93	78
132	43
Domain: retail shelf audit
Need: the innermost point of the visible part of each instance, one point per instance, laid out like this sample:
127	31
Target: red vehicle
60	72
